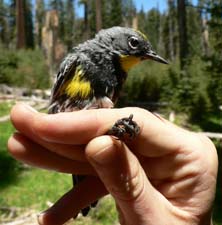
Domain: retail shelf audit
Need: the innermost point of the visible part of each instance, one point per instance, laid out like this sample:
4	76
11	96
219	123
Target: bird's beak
153	56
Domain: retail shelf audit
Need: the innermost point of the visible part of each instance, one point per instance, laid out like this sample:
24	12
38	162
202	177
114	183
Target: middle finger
33	154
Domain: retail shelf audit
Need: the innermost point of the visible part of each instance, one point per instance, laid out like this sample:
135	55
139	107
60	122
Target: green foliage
152	27
186	90
215	82
214	67
144	83
69	24
169	32
182	91
103	214
170	84
25	188
5	108
115	13
8	167
194	31
8	65
92	17
196	101
111	14
34	187
11	23
23	68
3	22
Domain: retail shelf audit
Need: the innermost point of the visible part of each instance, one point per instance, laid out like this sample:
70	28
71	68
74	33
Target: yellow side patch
78	86
128	61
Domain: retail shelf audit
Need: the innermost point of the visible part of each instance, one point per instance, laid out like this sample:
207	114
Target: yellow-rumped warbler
92	75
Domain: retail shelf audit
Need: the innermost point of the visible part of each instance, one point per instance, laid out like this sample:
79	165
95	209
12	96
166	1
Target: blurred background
35	35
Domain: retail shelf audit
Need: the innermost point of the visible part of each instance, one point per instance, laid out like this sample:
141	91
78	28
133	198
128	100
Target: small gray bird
92	75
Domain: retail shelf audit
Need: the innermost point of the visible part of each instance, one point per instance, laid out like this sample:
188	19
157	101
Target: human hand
166	175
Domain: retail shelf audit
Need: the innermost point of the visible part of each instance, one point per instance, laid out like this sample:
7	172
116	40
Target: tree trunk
52	46
135	22
171	32
20	23
205	37
182	32
86	20
98	15
39	18
3	23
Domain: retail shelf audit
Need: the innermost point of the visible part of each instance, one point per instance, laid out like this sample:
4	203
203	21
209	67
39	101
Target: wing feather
67	69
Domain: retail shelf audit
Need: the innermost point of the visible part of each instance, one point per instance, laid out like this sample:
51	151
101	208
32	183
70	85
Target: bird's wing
72	89
67	69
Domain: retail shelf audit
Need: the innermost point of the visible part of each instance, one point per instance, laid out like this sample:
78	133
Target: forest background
36	35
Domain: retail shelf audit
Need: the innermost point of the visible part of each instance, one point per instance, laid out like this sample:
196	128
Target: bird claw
124	127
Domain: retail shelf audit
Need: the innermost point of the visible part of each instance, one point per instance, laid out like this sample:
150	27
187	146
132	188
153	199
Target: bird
92	75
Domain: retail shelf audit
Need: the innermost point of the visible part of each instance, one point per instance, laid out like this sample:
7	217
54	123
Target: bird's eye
133	42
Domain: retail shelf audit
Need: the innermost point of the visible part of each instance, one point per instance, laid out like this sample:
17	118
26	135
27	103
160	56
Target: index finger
157	137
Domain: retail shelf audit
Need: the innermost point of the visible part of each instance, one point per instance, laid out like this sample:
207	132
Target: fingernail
14	141
40	218
106	153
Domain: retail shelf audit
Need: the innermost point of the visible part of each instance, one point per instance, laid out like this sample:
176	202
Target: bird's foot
125	127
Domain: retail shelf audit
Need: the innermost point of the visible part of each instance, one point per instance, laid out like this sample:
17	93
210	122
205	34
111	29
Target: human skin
166	175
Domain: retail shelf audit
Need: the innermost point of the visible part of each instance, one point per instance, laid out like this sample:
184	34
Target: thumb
124	178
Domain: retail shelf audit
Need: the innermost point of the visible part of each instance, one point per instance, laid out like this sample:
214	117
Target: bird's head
132	46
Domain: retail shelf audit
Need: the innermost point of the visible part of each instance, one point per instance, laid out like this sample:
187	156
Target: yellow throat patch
128	61
78	86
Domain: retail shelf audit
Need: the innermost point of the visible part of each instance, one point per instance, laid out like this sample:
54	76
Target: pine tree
3	23
194	31
152	24
142	21
204	26
105	8
169	33
12	23
86	27
69	23
111	13
91	8
182	27
215	66
55	4
115	13
171	29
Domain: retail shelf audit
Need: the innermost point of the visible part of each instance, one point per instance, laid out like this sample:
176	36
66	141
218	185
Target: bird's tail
76	179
